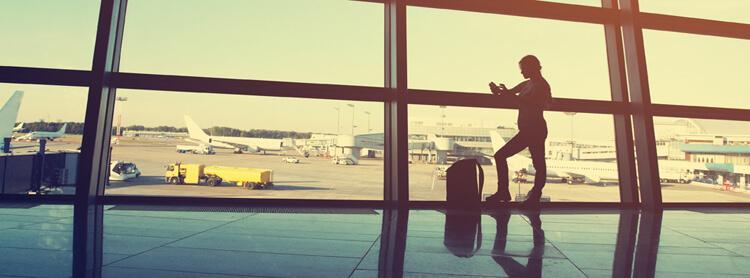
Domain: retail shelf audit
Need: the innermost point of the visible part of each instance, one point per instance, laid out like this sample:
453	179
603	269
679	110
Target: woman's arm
515	90
502	90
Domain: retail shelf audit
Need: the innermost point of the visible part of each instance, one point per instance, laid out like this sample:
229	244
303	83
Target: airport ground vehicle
200	149
123	171
441	172
252	178
675	177
290	159
342	161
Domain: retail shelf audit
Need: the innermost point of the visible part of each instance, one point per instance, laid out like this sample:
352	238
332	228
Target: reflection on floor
36	241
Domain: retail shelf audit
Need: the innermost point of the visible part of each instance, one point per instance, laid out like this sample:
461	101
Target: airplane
570	171
49	135
18	128
591	172
9	114
197	135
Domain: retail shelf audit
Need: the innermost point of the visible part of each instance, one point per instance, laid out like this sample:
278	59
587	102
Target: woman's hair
531	60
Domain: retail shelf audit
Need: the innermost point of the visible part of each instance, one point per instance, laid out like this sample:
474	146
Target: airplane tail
9	114
496	140
195	131
515	162
62	129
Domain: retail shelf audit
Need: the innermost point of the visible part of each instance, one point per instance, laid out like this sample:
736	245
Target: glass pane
33	115
702	71
703	160
285	147
724	10
579	151
48	34
320	41
462	51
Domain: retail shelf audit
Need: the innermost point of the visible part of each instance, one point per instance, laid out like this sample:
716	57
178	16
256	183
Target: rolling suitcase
464	184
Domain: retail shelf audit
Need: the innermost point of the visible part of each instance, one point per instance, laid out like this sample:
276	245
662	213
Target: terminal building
445	141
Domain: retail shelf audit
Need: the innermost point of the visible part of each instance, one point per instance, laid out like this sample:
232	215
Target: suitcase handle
481	180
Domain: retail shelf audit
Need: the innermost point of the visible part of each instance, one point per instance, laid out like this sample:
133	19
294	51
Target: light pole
368	121
572	143
352	106
571	114
442	120
119	116
338	120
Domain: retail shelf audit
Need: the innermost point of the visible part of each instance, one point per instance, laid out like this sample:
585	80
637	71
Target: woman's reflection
463	237
512	267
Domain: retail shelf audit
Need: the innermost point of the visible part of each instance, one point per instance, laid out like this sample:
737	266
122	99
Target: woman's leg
536	148
512	147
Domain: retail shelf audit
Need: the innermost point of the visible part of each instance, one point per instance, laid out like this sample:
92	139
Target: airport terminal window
314	41
723	10
463	51
330	149
48	34
580	152
703	71
703	160
216	145
32	115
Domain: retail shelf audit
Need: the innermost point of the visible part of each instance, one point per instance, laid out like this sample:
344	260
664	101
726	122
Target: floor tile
36	239
35	262
270	244
119	244
701	264
241	263
122	272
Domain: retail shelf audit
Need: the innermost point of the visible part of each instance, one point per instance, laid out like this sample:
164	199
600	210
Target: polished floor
36	241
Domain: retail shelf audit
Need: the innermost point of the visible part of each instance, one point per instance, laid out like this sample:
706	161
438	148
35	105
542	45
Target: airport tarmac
318	178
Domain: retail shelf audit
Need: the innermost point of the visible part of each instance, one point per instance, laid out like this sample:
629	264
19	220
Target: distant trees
77	128
161	128
72	128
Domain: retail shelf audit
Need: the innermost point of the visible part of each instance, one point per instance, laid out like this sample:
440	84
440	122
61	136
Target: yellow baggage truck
252	178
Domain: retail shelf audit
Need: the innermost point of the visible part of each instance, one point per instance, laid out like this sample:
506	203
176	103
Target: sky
341	42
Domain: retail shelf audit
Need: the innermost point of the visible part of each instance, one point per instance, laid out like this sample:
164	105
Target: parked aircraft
197	135
18	128
9	115
586	171
49	135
